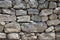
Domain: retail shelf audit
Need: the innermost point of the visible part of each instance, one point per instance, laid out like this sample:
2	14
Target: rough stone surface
46	36
53	22
53	16
34	27
5	4
13	36
46	12
12	27
52	5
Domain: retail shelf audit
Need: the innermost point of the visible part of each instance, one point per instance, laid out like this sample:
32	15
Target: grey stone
59	16
33	27
19	4
33	3
2	35
13	36
53	16
36	18
59	4
53	22
46	12
43	5
44	18
12	27
57	10
21	12
46	36
23	19
33	11
52	5
5	4
8	11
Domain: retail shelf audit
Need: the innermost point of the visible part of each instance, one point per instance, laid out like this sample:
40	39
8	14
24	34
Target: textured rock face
5	4
23	19
12	27
46	12
29	19
34	27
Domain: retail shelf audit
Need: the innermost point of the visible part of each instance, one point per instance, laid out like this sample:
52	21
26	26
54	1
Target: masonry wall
29	19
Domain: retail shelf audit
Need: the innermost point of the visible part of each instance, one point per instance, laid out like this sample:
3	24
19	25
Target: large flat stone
33	27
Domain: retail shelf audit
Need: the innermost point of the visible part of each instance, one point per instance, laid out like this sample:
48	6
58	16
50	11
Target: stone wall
29	19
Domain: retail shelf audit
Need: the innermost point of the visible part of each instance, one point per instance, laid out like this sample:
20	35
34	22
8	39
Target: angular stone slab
5	4
21	12
13	36
12	27
34	27
23	19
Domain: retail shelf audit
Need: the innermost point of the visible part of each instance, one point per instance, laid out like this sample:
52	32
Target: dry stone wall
29	19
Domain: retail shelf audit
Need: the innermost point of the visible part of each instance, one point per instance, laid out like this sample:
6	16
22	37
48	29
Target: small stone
5	4
44	18
46	36
21	33
59	4
53	17
33	11
23	19
52	5
53	22
43	5
13	36
57	10
49	29
8	11
34	27
2	36
21	12
19	4
46	12
36	18
12	27
33	3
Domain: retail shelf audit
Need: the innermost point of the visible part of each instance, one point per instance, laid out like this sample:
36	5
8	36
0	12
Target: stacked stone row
29	19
